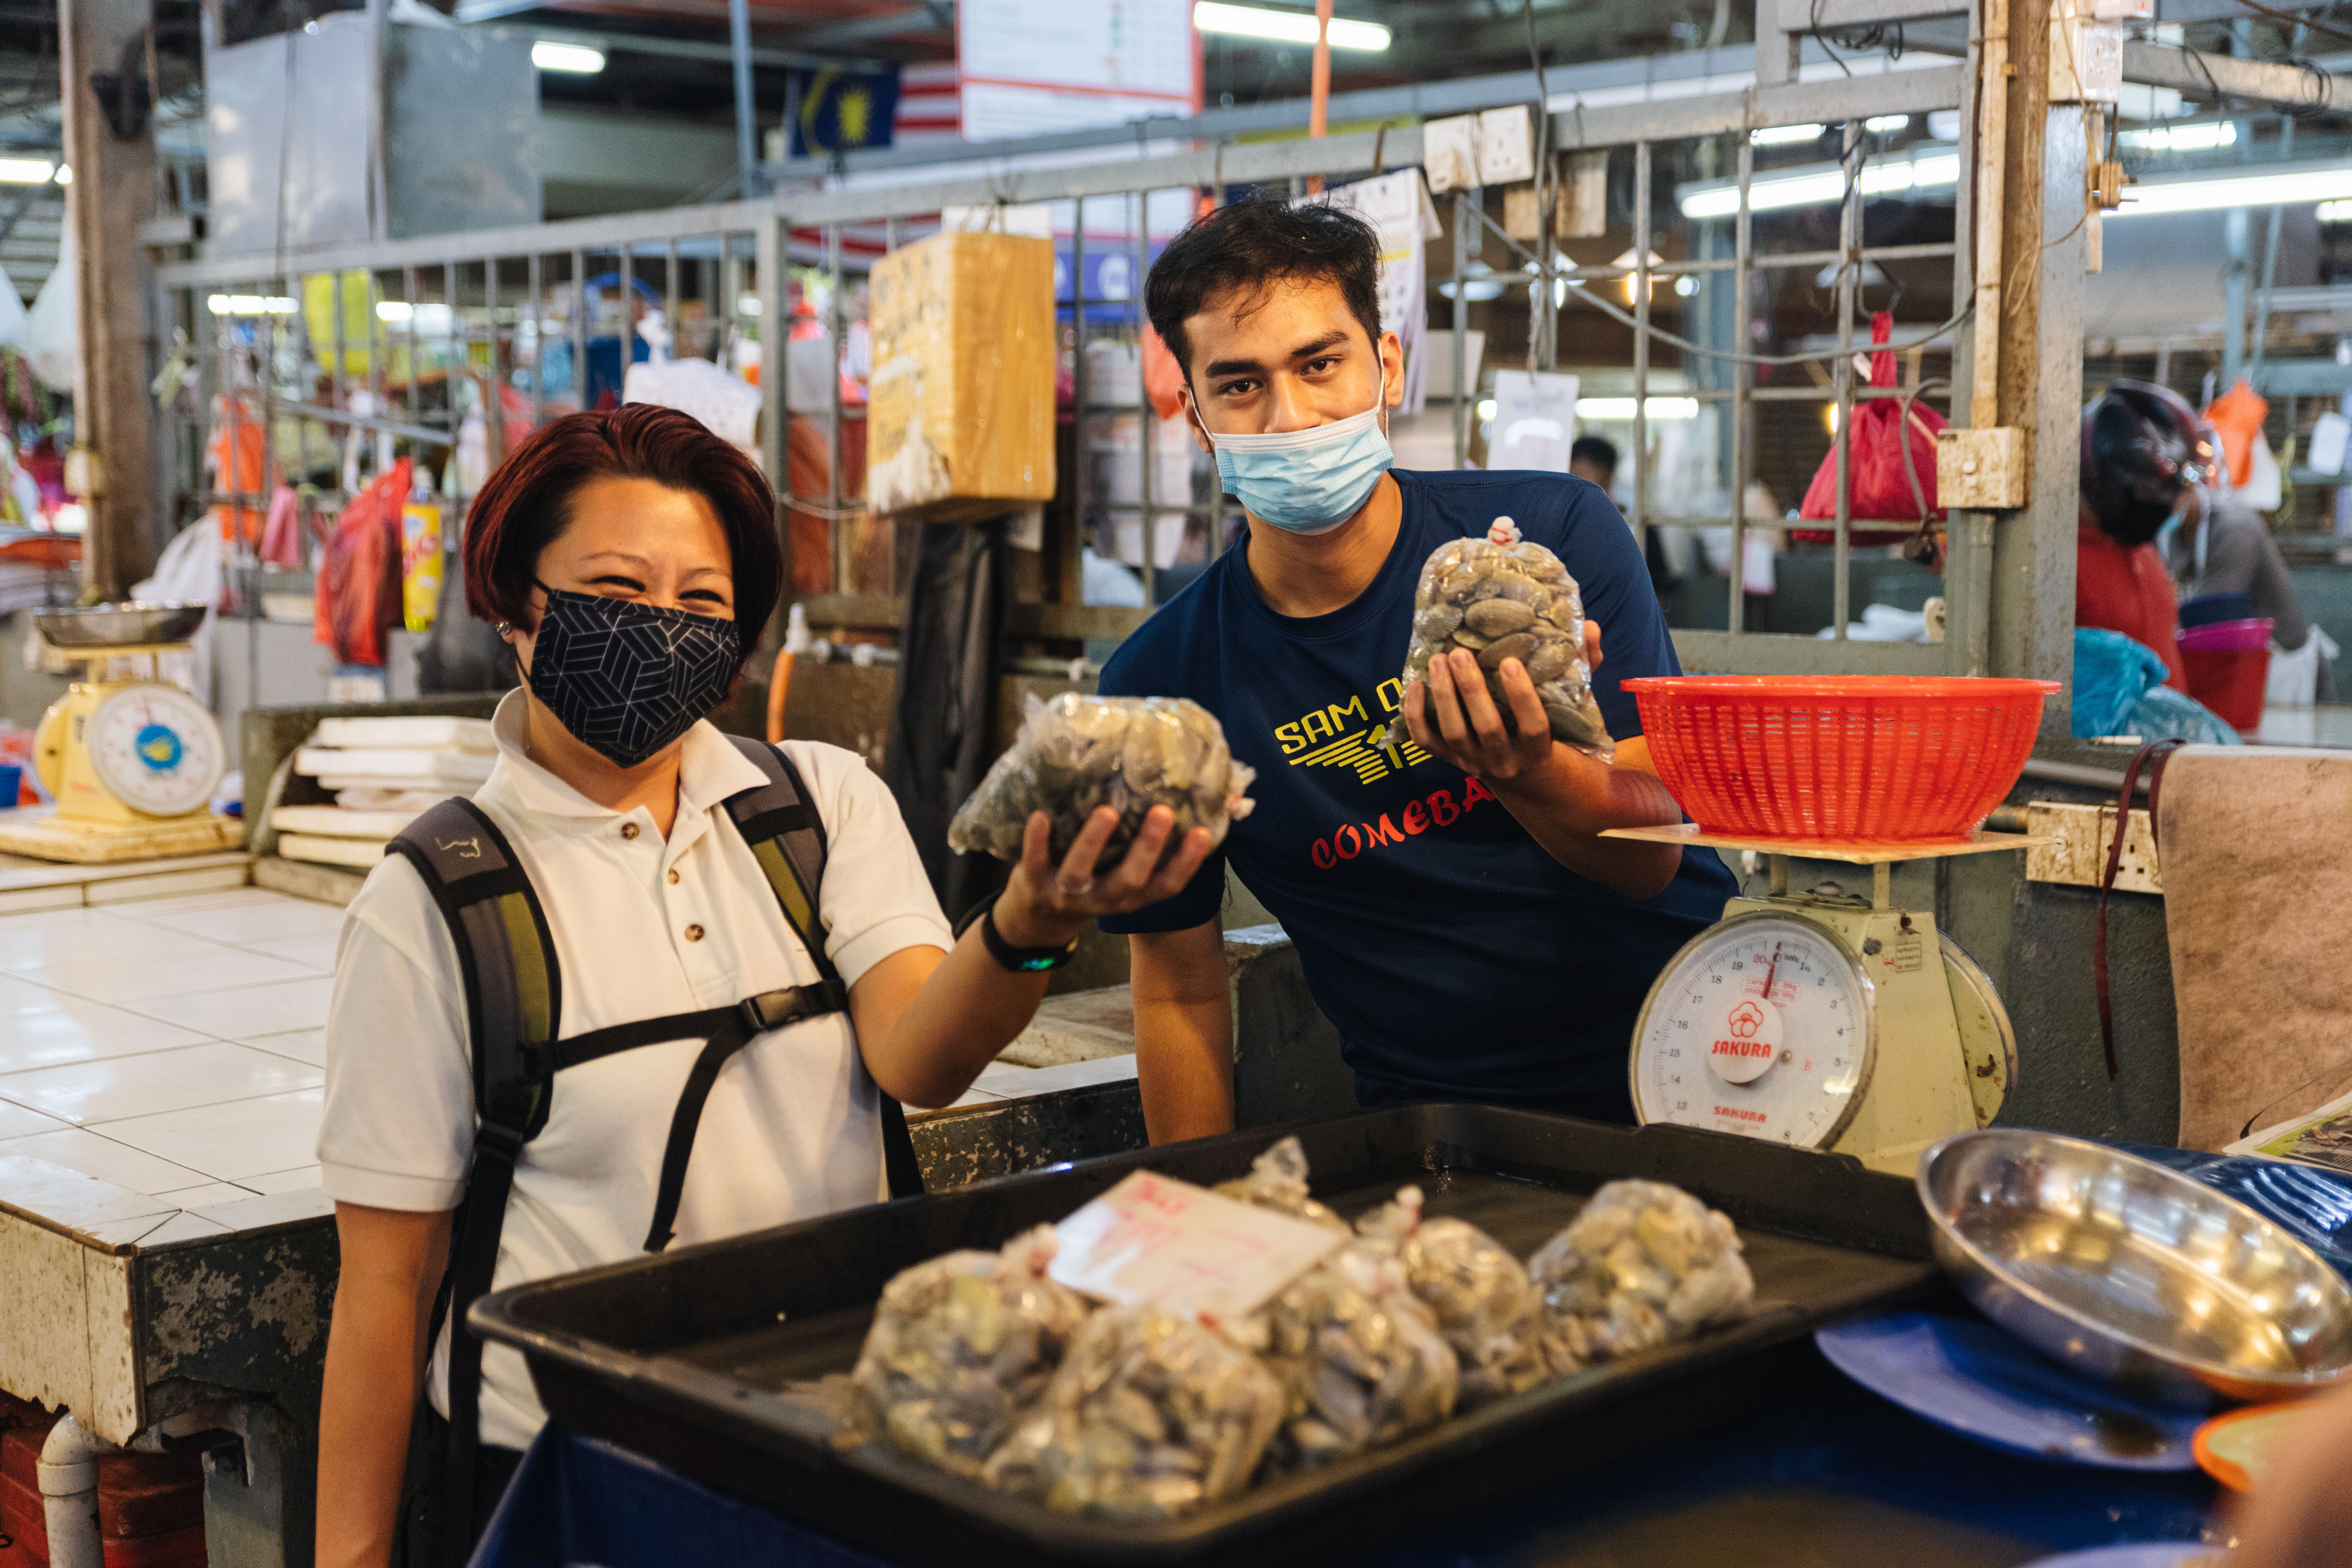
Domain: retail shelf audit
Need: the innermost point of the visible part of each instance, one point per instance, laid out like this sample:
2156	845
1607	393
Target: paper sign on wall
1535	421
1185	1248
727	405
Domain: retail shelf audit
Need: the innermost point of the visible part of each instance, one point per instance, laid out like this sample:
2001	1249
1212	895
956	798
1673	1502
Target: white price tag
1185	1248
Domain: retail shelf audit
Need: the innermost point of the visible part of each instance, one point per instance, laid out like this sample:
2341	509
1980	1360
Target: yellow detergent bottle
420	558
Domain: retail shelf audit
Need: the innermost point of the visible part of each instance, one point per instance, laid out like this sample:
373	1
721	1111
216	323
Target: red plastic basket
1839	756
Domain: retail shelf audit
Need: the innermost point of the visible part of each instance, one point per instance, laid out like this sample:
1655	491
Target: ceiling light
1285	27
1623	408
2336	212
577	58
2290	187
249	305
1944	124
395	311
65	173
2202	138
1485	408
1476	289
1881	123
1923	168
26	171
1776	135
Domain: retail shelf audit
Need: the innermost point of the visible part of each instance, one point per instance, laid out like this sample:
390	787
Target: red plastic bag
1163	378
1880	489
358	587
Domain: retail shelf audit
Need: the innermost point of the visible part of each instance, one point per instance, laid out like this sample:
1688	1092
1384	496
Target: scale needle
1772	970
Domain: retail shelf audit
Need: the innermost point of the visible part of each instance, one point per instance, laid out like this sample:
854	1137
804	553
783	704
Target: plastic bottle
420	557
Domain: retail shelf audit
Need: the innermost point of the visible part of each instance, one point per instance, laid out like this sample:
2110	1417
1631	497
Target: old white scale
1822	1019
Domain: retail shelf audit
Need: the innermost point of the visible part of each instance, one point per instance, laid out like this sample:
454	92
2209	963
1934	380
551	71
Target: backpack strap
513	1008
787	836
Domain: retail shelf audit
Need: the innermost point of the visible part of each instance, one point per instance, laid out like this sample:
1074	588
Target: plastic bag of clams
1076	752
1502	597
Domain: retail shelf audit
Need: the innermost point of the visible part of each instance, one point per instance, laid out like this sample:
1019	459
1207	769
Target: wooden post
113	194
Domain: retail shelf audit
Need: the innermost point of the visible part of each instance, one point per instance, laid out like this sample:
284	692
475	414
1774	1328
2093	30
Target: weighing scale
1825	1020
132	760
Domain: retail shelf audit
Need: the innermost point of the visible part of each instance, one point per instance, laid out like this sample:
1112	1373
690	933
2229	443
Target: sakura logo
1746	1019
467	848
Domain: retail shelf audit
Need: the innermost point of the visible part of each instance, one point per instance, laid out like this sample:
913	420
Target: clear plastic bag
1502	597
1478	1293
1644	1264
1131	753
961	1347
1277	1180
1151	1415
1359	1357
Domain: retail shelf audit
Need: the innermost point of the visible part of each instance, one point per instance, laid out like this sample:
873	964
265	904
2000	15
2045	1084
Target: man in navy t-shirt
1458	917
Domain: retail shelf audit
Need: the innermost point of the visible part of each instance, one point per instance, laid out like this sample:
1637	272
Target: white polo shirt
644	927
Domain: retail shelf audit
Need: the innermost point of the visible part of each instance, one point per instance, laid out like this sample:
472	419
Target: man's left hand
1455	717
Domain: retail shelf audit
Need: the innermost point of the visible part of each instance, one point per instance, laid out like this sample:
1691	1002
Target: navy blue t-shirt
1456	957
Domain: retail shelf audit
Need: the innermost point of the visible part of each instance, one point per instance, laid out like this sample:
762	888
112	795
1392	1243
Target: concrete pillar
114	192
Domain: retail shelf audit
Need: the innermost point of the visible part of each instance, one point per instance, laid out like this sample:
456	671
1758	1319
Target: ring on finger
1074	890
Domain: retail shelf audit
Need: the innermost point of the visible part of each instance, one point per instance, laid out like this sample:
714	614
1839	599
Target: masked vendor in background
2142	450
1459	918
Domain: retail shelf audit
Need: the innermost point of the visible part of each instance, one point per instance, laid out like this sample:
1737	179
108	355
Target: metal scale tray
681	1357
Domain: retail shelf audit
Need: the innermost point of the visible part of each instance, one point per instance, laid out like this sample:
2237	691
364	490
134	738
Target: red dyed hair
523	506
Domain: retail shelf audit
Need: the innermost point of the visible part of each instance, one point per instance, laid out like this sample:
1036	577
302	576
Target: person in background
2220	545
1595	457
2142	450
1458	914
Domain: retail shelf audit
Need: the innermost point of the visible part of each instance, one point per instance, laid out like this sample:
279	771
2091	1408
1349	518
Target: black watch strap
1019	959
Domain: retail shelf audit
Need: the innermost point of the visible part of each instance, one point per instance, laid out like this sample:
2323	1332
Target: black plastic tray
682	1357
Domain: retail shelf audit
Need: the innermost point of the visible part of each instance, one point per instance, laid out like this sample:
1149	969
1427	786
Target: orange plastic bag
1163	378
359	586
2237	417
238	454
1880	488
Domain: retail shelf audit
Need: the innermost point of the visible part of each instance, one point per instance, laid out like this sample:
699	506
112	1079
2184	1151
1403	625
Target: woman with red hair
630	558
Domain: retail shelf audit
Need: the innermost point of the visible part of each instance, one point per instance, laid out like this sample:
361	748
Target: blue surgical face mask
1310	480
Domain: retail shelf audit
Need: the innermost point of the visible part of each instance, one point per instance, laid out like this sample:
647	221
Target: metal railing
517	311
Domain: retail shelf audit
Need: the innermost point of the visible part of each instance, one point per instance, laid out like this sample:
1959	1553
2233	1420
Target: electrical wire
2290	19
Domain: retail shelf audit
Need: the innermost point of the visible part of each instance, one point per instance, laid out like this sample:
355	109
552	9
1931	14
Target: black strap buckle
500	1142
774	1009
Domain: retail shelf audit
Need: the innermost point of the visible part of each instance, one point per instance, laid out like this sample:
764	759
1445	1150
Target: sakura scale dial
155	748
1824	1019
1766	1025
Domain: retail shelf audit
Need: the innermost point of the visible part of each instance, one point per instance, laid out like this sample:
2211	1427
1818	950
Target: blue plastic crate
578	1502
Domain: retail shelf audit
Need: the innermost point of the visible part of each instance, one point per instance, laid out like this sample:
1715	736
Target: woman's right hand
1045	905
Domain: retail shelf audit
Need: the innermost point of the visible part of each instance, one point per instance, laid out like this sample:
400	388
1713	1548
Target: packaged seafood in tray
1077	752
1644	1264
1277	1180
961	1346
1361	1358
1151	1415
1479	1294
1502	597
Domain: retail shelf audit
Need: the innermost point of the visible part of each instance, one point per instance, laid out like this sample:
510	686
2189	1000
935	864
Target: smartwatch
1018	959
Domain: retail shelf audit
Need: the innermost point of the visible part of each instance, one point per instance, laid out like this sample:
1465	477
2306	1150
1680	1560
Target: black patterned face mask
628	678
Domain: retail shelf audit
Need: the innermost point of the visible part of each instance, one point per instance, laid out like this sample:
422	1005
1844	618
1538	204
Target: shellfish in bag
1504	597
962	1346
1077	752
1644	1264
1151	1416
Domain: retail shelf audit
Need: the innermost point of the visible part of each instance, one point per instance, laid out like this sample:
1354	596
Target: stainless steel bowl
119	626
2120	1269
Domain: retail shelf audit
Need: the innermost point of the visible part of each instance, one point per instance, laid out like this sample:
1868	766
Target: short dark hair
527	503
1596	450
1254	242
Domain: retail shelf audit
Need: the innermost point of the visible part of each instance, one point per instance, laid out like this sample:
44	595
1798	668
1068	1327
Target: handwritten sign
1185	1248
